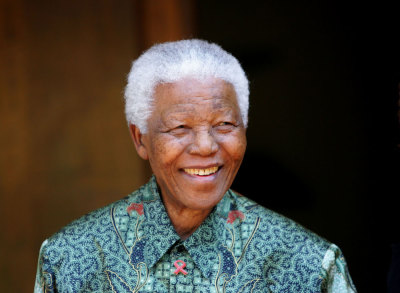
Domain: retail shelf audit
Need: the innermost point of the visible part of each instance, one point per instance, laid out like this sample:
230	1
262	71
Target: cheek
235	147
159	148
166	151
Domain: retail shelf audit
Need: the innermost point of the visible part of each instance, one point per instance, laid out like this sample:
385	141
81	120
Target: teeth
202	172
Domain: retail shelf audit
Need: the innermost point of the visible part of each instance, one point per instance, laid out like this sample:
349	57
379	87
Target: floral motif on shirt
233	215
138	207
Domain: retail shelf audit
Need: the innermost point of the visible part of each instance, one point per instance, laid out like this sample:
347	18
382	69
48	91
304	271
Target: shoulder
91	230
277	230
75	256
281	253
288	254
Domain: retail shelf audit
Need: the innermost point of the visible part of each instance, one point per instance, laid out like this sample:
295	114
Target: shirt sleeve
44	279
335	274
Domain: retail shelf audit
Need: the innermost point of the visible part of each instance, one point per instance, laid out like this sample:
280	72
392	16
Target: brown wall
64	145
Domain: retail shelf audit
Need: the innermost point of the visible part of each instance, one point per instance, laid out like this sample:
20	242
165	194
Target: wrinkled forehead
191	90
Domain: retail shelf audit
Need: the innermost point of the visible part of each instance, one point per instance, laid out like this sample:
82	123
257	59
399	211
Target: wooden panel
64	145
162	21
16	232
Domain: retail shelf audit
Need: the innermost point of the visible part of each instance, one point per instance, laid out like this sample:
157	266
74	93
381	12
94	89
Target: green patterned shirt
131	246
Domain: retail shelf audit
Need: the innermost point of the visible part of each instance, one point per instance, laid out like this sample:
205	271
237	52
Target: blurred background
322	136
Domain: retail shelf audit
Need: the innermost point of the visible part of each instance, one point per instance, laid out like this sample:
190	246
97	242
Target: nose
204	144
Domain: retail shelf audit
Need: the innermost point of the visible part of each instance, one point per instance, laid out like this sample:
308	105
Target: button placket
180	263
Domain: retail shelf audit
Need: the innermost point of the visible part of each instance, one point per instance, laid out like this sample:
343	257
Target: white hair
172	61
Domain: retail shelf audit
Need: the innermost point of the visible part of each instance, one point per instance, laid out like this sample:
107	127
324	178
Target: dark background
323	127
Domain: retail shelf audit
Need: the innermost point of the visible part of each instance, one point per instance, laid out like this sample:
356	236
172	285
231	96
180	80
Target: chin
204	202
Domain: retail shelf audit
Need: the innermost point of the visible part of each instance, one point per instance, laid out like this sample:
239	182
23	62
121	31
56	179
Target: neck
186	221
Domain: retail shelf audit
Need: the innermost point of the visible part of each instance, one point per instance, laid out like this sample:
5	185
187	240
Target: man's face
195	141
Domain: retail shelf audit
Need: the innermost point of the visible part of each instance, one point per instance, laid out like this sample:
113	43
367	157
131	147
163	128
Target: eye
224	127
225	123
179	127
179	130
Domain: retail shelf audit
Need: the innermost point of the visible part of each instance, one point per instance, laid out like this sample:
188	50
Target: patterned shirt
131	246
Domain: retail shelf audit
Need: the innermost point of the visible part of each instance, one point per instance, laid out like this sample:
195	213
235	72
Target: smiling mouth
201	172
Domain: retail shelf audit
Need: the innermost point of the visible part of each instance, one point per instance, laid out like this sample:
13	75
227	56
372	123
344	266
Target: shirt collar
143	225
207	245
147	233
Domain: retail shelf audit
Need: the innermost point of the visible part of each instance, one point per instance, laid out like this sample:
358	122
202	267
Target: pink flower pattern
233	215
138	207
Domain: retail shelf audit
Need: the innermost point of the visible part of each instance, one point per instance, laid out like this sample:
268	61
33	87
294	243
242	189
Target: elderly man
185	230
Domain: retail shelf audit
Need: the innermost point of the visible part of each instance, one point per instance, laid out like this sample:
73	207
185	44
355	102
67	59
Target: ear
137	137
